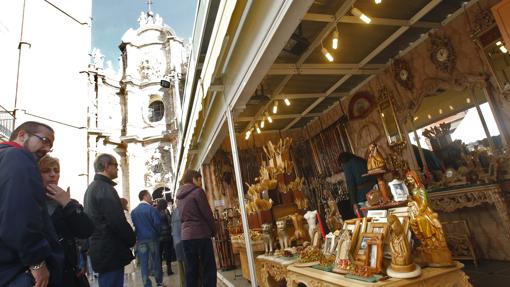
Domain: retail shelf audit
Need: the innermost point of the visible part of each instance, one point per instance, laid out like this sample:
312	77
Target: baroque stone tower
144	109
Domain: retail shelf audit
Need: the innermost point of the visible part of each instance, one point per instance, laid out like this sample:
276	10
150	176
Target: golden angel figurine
375	160
426	226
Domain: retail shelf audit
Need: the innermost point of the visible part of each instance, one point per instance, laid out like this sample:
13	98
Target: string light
468	100
262	123
269	119
502	47
451	107
440	111
275	107
248	134
287	102
356	12
257	128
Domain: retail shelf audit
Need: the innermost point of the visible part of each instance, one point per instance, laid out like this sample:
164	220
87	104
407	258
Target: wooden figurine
426	226
402	265
297	221
375	160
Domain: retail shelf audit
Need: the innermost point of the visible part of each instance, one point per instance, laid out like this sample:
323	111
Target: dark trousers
112	278
199	259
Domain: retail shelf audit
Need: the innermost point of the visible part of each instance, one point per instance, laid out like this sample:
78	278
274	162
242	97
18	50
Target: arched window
156	111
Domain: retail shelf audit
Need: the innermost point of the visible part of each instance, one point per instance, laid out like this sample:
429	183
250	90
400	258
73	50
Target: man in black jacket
113	236
29	250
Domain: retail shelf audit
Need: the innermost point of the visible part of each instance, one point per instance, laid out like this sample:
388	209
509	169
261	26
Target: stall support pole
240	194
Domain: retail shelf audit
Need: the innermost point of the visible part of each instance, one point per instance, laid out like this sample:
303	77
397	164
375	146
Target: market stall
381	164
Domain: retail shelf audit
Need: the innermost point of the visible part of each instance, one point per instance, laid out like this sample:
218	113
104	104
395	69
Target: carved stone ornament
442	53
150	70
403	74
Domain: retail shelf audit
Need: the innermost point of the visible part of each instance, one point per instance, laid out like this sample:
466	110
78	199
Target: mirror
389	118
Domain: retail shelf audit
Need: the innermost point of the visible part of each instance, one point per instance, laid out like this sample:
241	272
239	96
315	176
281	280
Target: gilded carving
442	53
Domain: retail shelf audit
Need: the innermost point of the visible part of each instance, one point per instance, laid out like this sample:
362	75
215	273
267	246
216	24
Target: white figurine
311	219
283	236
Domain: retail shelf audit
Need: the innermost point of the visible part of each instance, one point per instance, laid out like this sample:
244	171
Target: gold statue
375	159
426	226
402	265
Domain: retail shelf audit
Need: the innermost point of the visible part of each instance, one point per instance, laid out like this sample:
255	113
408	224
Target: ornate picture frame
361	105
354	226
362	253
374	258
378	228
399	190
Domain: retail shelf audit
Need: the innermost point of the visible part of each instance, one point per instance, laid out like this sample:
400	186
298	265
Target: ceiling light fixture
502	47
326	54
275	107
287	102
262	123
440	111
269	119
468	100
377	2
356	12
257	128
248	134
451	107
336	37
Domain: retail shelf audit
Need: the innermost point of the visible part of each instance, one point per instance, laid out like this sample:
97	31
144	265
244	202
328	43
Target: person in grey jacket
113	236
179	251
197	228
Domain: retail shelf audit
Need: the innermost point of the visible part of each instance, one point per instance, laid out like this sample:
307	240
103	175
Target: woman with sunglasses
69	220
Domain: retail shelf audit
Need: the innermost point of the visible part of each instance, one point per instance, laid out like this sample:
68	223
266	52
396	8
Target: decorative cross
149	3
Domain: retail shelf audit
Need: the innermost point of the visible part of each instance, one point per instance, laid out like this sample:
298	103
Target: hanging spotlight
326	54
269	119
275	107
257	128
248	134
336	37
287	102
356	12
377	2
262	123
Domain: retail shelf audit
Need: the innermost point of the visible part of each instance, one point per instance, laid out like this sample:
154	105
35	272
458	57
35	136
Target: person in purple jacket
197	228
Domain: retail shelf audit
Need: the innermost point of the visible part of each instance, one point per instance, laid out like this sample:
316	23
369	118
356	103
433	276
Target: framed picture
353	226
378	228
398	190
362	251
377	213
374	251
361	105
329	244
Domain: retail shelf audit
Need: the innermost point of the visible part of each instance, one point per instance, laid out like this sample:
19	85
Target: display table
239	246
272	266
430	277
486	211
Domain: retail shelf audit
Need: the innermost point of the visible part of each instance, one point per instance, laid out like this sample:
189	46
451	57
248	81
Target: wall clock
442	53
403	74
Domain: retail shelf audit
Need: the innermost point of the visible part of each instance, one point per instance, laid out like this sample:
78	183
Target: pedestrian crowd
49	239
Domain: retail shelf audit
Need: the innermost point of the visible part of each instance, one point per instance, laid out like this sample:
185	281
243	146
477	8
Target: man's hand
58	194
41	276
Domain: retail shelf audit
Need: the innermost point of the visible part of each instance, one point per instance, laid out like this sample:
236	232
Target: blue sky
112	18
